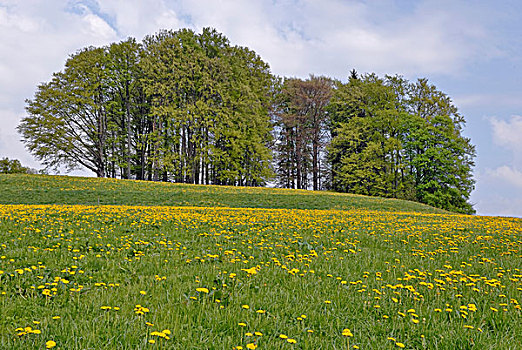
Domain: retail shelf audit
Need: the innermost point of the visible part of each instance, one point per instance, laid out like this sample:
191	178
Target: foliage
13	166
180	106
301	120
190	107
393	138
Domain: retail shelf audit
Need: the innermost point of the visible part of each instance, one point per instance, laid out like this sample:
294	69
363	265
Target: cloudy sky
472	50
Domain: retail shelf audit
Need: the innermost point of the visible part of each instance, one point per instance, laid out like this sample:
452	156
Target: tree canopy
191	107
394	138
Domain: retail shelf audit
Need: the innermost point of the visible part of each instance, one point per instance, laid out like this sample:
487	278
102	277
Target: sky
471	50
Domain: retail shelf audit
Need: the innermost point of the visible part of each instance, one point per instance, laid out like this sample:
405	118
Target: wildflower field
171	277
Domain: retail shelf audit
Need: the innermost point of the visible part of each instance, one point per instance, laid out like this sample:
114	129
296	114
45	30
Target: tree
67	119
393	138
127	109
181	106
301	120
439	159
210	105
365	149
13	166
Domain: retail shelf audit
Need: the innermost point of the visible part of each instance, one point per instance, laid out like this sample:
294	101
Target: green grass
43	189
393	278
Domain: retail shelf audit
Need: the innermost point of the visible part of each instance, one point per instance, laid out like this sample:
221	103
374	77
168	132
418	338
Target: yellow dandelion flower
347	333
50	344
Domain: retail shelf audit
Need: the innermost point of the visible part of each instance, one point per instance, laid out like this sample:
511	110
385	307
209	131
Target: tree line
193	108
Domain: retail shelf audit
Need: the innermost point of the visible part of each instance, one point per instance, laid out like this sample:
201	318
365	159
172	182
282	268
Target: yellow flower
250	271
202	290
50	344
291	341
152	341
347	333
142	292
251	346
400	345
283	336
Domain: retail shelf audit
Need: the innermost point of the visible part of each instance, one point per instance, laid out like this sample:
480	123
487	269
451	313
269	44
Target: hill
46	189
165	267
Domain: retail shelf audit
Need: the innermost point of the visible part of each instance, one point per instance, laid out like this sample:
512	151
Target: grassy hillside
176	269
43	189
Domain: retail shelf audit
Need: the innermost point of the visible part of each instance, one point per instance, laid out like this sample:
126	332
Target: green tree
394	138
67	119
13	166
210	105
365	149
438	158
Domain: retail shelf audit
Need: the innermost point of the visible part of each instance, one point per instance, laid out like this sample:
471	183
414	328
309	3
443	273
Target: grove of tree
186	107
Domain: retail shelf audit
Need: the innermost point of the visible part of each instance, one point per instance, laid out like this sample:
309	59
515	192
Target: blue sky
472	50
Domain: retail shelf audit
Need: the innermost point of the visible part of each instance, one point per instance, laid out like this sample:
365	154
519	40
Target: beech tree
394	138
181	107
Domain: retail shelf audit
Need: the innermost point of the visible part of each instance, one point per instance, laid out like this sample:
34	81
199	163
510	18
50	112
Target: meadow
213	277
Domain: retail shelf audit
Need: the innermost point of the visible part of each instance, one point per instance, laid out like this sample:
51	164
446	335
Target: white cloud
490	99
296	37
98	27
507	174
495	205
508	133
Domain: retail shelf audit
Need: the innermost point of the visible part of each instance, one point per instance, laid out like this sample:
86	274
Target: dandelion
202	290
347	333
251	346
50	344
